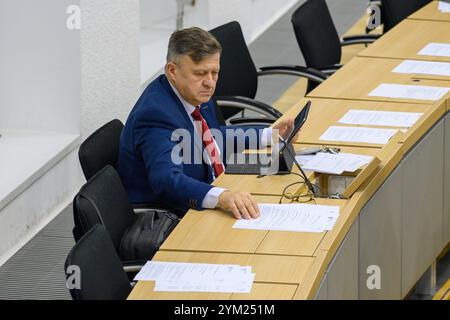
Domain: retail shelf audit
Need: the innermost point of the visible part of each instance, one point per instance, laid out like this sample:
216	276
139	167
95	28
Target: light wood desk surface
358	78
255	185
408	38
260	291
327	112
212	231
430	12
272	272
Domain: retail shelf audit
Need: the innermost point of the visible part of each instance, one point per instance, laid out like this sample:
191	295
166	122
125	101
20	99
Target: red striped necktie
208	142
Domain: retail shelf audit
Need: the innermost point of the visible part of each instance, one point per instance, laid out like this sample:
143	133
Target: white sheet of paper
177	271
380	118
244	286
197	277
304	159
436	49
424	67
337	163
292	217
358	134
444	7
401	91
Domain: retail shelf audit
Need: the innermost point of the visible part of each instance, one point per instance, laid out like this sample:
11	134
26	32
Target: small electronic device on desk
257	163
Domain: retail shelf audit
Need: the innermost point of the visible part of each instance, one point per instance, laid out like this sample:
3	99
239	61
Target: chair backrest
101	148
394	11
238	75
101	273
103	200
316	34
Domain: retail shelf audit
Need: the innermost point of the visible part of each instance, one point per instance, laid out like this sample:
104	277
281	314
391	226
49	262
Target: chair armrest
144	207
299	71
329	70
251	121
133	266
248	104
360	39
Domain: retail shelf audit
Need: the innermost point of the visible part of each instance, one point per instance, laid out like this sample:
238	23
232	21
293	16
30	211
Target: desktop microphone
307	182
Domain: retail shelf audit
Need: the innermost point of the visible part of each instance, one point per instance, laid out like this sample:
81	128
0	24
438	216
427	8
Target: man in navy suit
180	102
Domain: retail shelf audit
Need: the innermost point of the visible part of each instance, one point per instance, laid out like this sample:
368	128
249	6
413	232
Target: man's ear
170	70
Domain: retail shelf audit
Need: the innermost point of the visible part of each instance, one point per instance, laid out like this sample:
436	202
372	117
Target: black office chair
101	274
100	148
103	200
318	39
394	11
238	79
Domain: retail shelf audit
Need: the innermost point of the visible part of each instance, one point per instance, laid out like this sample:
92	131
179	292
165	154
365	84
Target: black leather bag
144	237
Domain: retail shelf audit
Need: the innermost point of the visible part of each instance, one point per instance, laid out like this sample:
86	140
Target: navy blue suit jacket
145	158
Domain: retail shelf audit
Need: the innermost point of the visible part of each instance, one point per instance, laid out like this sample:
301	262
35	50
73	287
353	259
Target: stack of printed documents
197	277
292	217
336	163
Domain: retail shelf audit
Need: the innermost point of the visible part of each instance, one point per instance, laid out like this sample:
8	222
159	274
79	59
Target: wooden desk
252	184
212	231
382	223
279	273
260	291
361	76
408	38
430	12
327	112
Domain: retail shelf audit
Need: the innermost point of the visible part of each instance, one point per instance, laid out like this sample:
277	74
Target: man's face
195	82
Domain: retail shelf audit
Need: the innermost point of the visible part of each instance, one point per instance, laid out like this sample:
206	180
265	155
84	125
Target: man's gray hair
194	42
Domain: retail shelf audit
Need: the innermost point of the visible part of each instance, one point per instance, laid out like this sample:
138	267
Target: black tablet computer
299	121
252	164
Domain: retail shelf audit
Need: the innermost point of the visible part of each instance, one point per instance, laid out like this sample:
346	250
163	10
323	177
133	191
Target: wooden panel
267	291
408	38
358	78
295	243
430	12
317	271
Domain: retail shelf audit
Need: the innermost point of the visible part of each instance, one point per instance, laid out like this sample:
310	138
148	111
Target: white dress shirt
212	197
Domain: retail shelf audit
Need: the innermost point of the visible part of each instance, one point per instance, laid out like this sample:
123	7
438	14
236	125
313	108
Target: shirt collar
187	106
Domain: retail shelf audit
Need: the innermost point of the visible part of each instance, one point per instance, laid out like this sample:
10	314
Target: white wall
39	66
158	22
109	61
255	16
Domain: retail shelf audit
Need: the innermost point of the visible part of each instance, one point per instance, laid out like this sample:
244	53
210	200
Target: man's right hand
241	204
